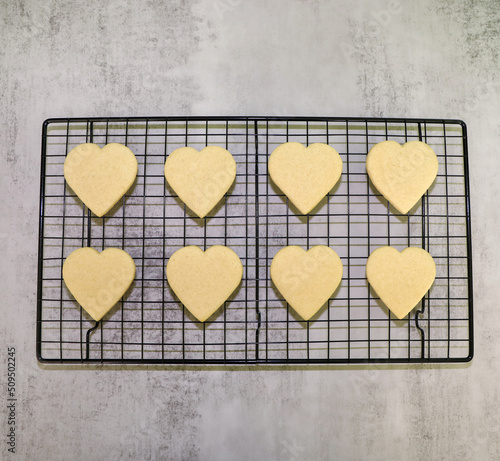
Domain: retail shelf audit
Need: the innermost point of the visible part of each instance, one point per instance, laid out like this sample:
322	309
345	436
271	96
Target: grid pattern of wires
256	325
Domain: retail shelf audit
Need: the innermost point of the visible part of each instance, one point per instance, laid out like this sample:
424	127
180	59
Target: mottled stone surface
285	57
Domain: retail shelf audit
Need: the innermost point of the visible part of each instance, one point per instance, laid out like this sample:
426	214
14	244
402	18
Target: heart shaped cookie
200	179
203	280
400	279
100	177
305	174
402	174
306	279
98	280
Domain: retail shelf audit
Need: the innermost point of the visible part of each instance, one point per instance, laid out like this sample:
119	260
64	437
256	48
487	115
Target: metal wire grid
256	220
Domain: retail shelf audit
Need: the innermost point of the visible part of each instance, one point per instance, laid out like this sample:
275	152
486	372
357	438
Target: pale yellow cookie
305	174
98	280
200	179
100	177
203	280
402	174
400	279
306	279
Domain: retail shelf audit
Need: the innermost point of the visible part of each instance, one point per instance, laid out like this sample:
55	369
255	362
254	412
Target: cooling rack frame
256	326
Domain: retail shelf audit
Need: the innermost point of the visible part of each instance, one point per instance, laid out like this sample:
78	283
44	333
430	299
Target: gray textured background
365	57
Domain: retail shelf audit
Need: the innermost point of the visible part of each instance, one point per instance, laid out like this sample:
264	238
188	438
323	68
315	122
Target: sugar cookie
305	174
98	280
306	279
402	174
203	280
400	279
200	179
100	177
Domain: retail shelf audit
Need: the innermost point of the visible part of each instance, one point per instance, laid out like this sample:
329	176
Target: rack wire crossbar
255	219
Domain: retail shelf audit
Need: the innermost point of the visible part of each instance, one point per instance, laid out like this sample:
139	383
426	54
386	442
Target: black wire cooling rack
256	325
